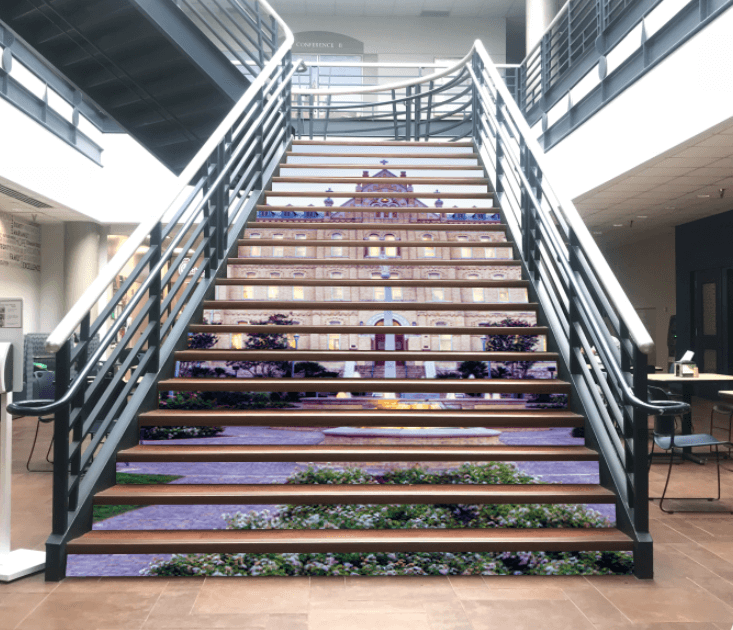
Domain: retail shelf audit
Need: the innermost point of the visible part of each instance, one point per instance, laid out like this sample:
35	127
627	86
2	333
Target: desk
726	395
688	387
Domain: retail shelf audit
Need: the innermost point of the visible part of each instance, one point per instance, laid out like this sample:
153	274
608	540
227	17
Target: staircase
146	63
308	170
417	256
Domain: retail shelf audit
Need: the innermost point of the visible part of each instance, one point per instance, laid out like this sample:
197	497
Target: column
539	15
81	259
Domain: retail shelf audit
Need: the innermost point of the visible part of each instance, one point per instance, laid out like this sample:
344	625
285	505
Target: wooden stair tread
431	156
358	355
448	181
380	167
444	385
370	330
426	226
243	242
382	143
377	262
542	418
346	453
349	540
334	494
369	282
377	209
392	194
340	305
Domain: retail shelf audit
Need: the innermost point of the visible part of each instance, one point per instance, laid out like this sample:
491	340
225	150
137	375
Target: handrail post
155	291
643	545
288	97
573	314
78	401
61	443
259	141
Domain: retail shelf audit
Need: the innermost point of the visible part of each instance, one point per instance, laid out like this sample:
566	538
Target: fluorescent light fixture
703	196
618	225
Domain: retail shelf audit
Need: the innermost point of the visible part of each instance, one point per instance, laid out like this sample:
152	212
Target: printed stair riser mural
223	516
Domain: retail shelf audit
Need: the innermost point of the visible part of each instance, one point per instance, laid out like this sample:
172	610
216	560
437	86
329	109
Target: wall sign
11	313
325	43
20	243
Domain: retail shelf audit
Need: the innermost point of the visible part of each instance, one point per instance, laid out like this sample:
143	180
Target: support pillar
539	15
81	259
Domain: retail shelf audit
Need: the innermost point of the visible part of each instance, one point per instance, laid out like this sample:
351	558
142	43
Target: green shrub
445	516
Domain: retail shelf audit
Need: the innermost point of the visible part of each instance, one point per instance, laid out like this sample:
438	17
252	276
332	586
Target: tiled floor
693	588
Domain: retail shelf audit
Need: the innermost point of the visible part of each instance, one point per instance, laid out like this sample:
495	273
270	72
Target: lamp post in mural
292	363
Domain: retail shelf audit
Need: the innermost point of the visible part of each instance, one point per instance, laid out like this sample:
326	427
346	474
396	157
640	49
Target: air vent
435	14
9	192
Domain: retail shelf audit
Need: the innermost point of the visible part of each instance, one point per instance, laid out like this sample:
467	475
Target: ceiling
400	8
681	185
30	210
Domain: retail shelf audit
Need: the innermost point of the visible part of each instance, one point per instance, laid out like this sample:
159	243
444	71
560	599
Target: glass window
373	252
299	293
503	295
434	276
438	294
337	274
380	294
255	251
390	252
278	236
466	252
428	252
278	251
478	294
300	251
489	252
248	293
446	343
337	293
300	237
334	342
397	294
272	293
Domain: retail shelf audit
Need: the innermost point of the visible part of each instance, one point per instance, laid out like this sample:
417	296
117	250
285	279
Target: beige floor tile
73	611
287	621
722	589
529	615
533	581
112	585
360	620
442	616
486	593
404	605
597	608
406	588
14	607
268	595
669	605
722	549
32	584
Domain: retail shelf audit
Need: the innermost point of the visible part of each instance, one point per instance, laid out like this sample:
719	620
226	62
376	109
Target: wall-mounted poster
11	313
20	243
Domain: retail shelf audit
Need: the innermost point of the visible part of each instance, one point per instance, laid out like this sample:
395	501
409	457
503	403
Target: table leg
687	389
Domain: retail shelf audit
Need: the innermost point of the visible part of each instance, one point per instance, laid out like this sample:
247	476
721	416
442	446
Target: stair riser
336	546
209	421
355	457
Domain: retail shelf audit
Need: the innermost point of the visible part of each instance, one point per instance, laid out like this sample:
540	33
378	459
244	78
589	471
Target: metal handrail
96	289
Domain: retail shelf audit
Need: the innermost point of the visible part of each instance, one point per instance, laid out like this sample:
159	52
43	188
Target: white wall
131	184
684	95
25	284
646	271
412	39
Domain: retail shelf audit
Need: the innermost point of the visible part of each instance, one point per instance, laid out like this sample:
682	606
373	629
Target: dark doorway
707	333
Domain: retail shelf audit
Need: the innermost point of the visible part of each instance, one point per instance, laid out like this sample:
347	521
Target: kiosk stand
21	562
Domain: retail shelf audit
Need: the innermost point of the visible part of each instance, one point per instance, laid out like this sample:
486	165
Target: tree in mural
265	341
512	343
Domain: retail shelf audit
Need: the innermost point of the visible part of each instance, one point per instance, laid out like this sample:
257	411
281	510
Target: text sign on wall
20	243
323	42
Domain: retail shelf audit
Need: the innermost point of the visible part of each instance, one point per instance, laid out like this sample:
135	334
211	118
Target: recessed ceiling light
596	233
703	196
618	225
669	208
642	216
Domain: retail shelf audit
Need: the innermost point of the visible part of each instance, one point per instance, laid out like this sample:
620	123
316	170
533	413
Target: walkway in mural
210	516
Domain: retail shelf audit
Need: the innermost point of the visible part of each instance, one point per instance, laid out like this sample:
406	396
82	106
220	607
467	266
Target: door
399	344
707	316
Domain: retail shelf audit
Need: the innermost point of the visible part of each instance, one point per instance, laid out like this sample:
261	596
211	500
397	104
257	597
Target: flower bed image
406	517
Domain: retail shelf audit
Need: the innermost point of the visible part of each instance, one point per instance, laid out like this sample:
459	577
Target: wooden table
726	395
688	387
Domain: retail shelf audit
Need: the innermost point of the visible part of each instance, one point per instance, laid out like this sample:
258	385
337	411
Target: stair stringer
126	432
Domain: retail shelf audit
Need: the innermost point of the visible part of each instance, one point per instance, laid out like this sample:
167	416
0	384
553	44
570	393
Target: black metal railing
602	342
100	392
575	69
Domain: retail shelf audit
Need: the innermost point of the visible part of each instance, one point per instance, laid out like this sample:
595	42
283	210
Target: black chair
667	439
43	388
